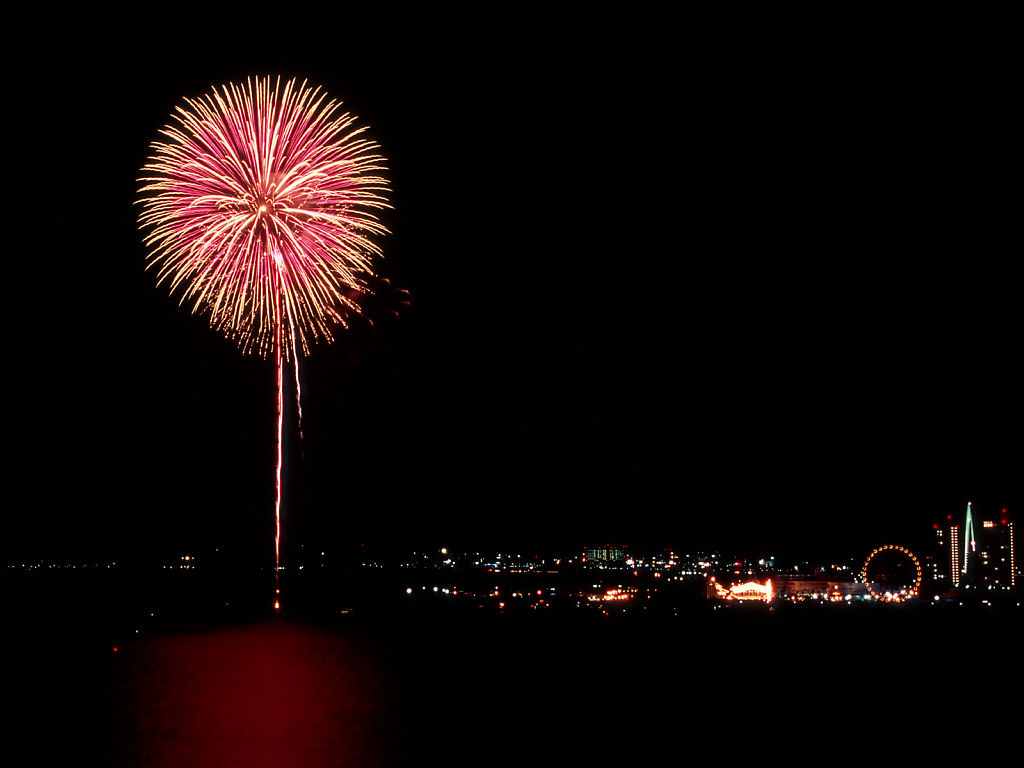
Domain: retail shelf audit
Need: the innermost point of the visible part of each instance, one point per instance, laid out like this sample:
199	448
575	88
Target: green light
968	536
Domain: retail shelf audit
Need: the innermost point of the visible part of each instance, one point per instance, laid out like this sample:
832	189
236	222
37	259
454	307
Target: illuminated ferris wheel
892	573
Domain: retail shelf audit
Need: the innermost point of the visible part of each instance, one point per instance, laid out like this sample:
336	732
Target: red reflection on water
273	694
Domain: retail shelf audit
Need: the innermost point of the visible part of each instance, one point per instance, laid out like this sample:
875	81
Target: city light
750	590
901	594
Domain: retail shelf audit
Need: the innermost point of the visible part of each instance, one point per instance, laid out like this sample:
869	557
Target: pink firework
259	207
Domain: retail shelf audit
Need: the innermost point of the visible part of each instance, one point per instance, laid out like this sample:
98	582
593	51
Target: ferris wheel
892	573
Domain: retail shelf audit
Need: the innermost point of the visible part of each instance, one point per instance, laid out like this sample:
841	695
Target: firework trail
259	206
298	393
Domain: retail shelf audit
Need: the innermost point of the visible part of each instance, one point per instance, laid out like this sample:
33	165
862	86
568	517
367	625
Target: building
747	591
991	557
980	554
945	566
606	555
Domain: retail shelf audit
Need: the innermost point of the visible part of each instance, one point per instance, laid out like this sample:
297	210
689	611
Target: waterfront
400	687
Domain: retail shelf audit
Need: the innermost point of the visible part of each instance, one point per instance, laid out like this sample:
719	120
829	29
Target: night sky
729	282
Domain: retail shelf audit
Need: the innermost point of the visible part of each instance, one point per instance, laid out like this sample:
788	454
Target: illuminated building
954	550
991	558
605	555
938	565
979	554
947	566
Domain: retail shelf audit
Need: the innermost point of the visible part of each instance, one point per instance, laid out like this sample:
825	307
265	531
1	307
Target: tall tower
954	554
1007	524
970	546
948	561
950	555
1013	552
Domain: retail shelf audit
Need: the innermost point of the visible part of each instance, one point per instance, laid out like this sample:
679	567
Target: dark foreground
397	686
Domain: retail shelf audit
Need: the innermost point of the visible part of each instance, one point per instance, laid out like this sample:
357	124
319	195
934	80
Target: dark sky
734	282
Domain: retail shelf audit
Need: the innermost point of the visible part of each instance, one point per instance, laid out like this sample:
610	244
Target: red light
115	649
936	526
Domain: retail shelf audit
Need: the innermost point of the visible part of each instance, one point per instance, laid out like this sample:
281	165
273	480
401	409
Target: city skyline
945	558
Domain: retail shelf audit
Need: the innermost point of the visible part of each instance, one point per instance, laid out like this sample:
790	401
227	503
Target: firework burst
259	207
